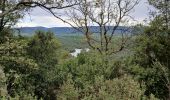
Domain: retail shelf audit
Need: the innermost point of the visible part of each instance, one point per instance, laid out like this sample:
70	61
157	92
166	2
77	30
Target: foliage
121	88
163	9
67	90
15	63
5	35
2	83
87	83
9	19
43	49
152	48
70	42
39	67
27	74
87	66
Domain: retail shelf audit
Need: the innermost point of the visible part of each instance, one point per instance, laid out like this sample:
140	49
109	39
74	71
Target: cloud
40	17
141	11
41	20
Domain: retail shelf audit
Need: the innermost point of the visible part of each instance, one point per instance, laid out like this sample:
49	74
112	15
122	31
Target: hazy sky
40	17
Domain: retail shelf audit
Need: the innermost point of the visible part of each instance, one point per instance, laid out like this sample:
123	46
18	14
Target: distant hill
64	30
56	30
68	36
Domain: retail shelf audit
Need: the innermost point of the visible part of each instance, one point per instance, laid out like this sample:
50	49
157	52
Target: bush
3	91
67	90
123	88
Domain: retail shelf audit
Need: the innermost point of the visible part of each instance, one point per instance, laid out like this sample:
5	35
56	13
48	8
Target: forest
125	61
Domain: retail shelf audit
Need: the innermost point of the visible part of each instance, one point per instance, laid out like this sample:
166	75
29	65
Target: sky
40	17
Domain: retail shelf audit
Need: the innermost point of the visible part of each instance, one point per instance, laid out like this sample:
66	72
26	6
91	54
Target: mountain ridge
64	30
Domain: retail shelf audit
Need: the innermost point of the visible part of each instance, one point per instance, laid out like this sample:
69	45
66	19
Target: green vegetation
39	67
71	42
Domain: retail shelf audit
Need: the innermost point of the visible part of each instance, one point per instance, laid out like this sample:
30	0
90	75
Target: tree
108	15
9	19
2	83
124	87
163	6
48	4
150	64
150	61
15	64
13	52
12	10
43	49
